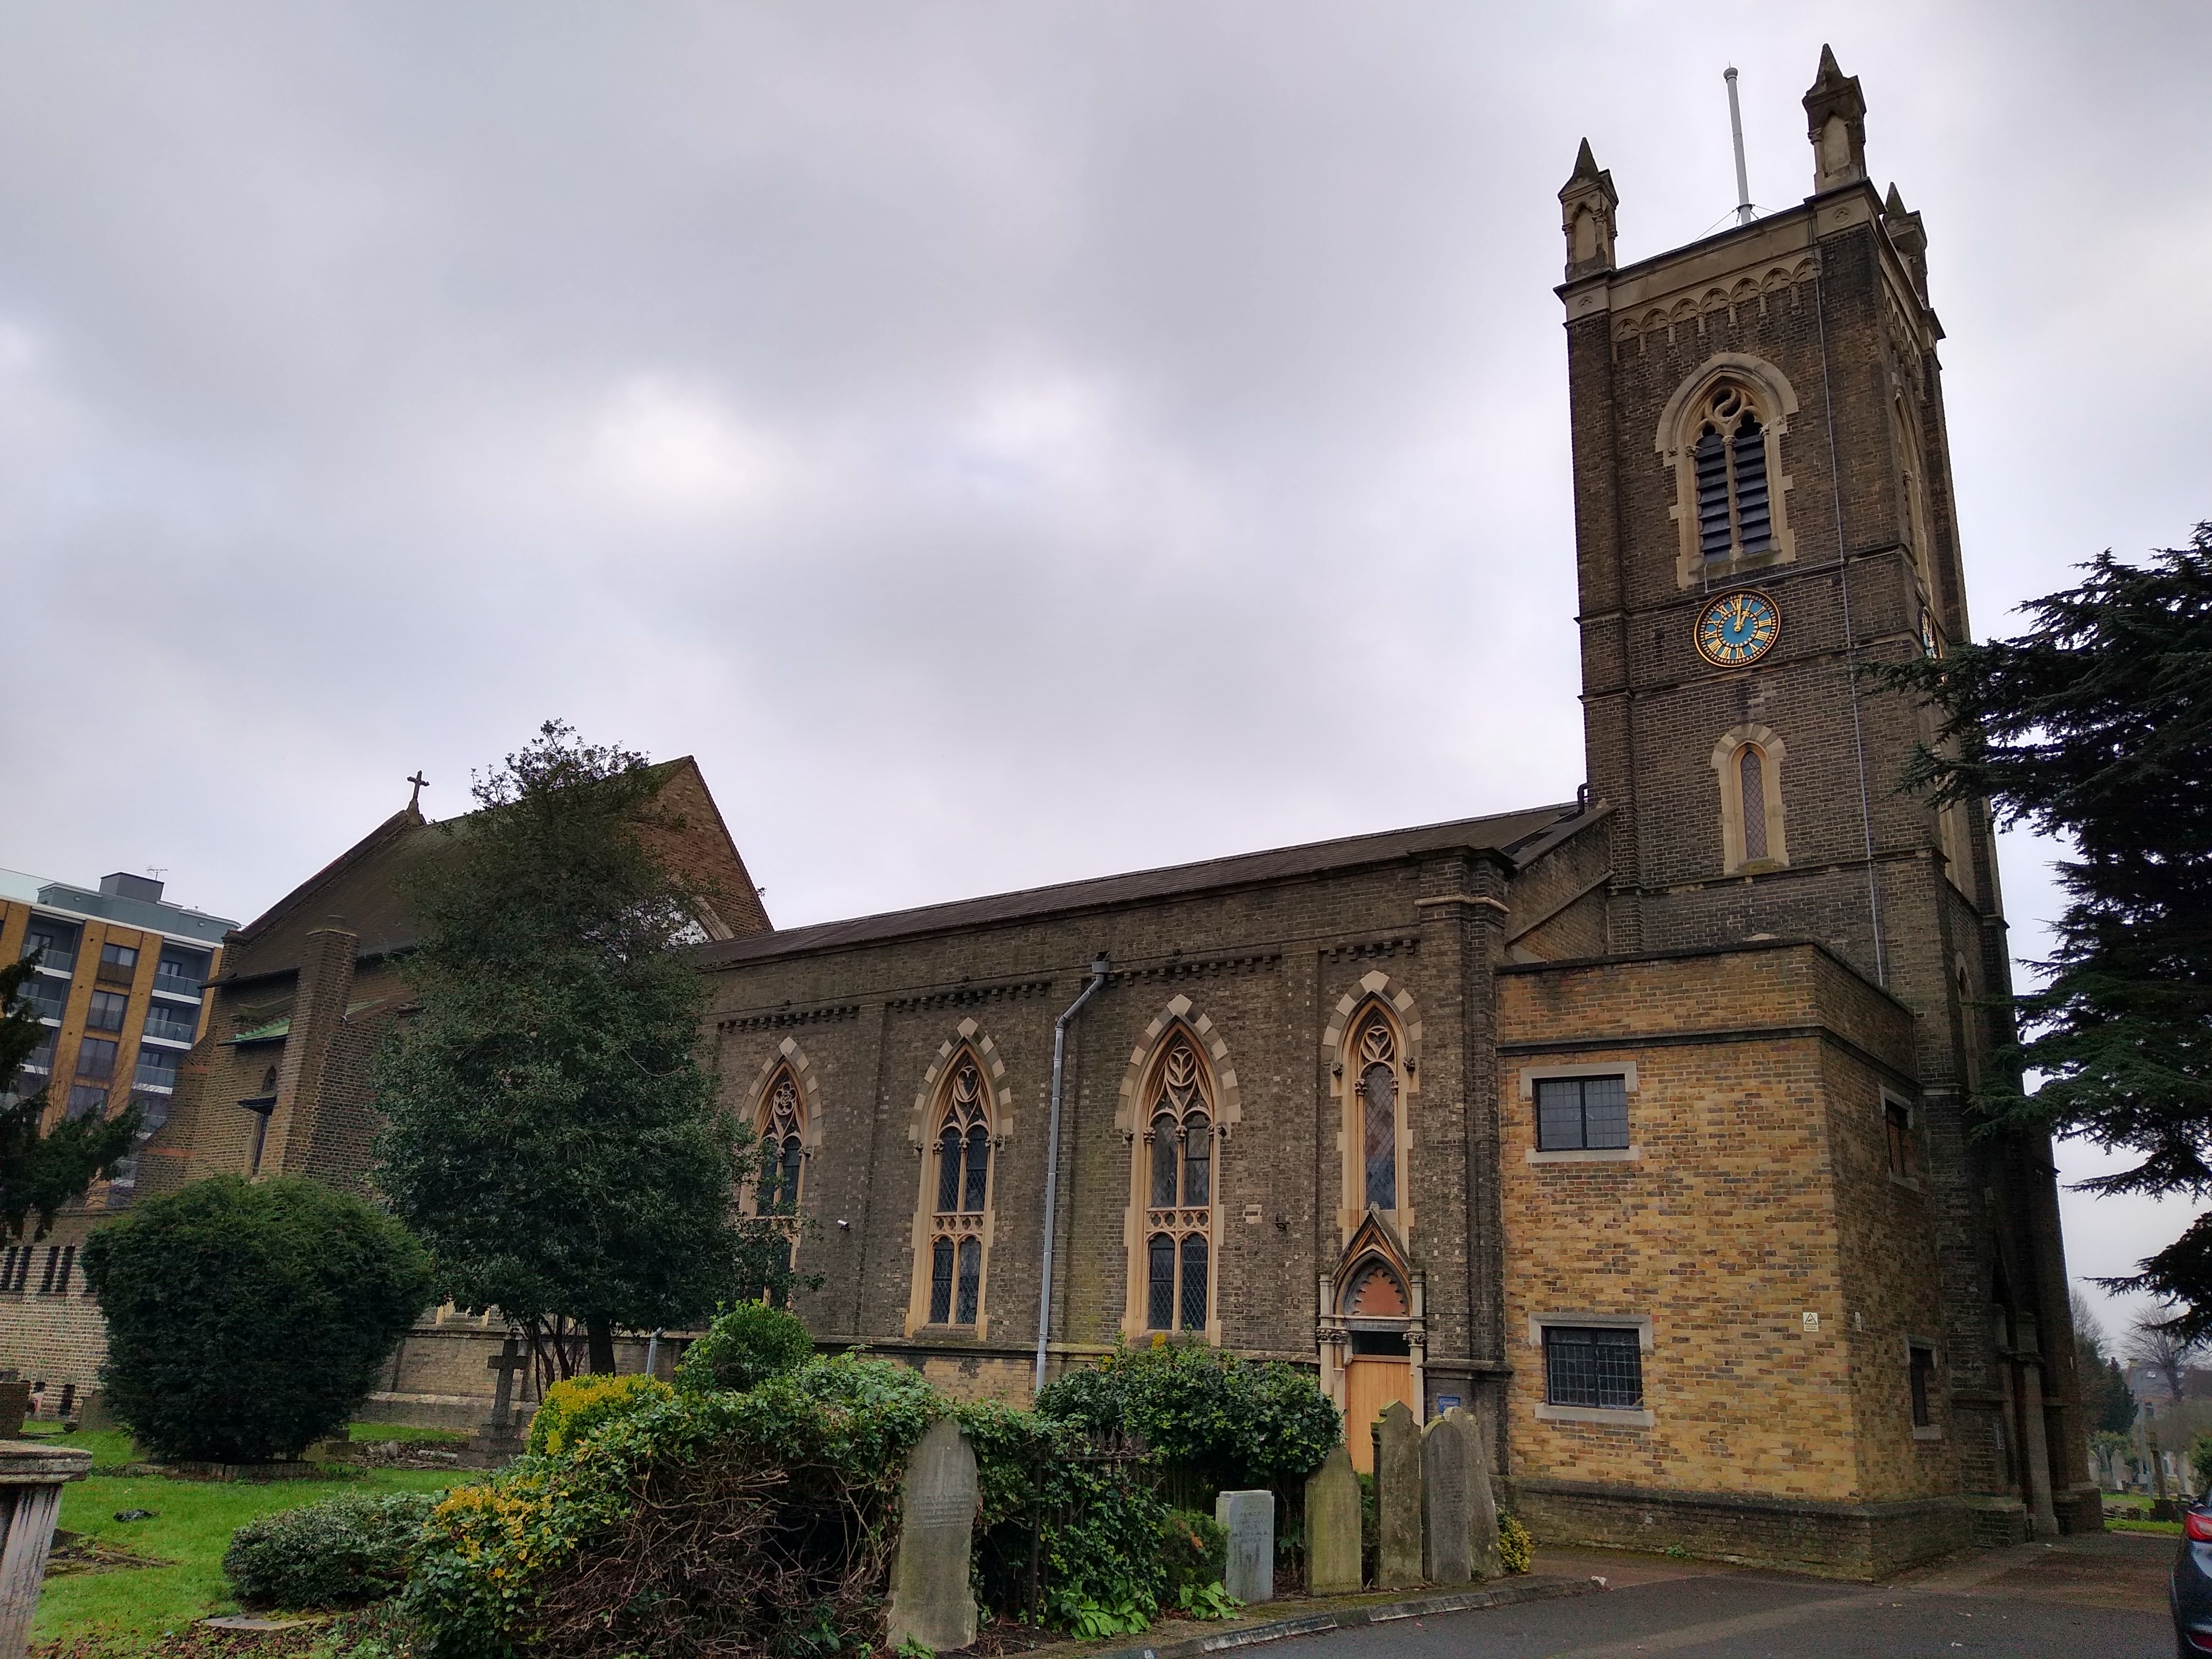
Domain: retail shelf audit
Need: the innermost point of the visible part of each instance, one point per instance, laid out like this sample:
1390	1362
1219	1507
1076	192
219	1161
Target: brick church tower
1764	502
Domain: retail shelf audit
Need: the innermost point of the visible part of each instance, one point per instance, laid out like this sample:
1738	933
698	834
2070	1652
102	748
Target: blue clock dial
1737	629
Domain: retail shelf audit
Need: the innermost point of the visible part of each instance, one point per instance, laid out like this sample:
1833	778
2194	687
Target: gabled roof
360	890
1514	836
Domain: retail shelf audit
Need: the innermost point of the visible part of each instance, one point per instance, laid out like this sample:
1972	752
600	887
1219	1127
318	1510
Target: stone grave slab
1444	1459
1398	1498
1249	1518
1333	1526
930	1599
1483	1559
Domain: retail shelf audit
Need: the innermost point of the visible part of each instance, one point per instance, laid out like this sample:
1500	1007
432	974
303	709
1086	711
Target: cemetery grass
190	1531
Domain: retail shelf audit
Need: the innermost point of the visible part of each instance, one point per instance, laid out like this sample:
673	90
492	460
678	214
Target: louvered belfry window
1734	517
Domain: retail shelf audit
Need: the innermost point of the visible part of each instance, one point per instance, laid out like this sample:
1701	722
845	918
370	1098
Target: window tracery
1378	1108
783	1153
963	1184
1730	459
1178	1147
1721	434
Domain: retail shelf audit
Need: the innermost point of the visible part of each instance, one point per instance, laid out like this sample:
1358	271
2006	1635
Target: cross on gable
421	783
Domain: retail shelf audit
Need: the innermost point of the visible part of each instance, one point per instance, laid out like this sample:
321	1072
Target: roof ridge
406	817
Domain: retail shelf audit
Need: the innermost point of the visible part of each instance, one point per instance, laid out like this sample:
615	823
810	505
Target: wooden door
1369	1385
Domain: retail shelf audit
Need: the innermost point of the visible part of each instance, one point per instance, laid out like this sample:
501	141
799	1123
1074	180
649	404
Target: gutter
1052	1155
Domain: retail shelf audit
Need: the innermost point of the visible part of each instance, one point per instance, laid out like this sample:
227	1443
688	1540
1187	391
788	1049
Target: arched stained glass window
782	1148
1179	1182
1378	1106
961	1190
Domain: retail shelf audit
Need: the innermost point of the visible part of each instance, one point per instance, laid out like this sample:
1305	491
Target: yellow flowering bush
573	1408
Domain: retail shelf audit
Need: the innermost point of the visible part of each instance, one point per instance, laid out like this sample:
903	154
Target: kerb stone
931	1602
1333	1526
1398	1498
1249	1518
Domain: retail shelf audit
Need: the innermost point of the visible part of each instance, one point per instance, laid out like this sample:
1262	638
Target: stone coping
27	1464
1321	1615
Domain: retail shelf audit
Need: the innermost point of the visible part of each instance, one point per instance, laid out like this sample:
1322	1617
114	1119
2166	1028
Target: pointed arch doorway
1373	1336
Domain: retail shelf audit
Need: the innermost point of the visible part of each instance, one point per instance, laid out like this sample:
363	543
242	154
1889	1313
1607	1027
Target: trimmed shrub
1216	1421
1515	1546
343	1553
573	1408
1193	1551
247	1319
744	1347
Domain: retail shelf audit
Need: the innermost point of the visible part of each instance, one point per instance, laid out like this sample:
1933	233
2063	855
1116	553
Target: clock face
1737	629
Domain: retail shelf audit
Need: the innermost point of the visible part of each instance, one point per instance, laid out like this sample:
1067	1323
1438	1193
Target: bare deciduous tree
2152	1342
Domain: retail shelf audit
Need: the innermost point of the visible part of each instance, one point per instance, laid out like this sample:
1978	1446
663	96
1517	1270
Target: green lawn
191	1527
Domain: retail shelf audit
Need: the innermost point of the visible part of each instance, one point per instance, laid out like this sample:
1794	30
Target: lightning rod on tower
1743	214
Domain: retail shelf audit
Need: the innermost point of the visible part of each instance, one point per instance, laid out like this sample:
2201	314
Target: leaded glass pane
940	1282
1197	1160
1378	1093
1164	1163
948	1171
1559	1115
1193	1282
1605	1111
978	1169
971	1280
1599	1367
1751	774
787	1197
1159	1300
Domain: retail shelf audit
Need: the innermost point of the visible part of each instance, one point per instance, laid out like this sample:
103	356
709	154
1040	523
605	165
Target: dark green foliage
746	1345
1193	1550
247	1319
2111	1402
1214	1420
2096	727
552	1135
41	1172
343	1553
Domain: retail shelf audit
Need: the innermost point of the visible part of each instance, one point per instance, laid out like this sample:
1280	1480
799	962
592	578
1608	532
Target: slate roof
1517	837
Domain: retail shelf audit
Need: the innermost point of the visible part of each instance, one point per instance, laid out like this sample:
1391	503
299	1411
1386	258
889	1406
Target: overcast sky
1004	443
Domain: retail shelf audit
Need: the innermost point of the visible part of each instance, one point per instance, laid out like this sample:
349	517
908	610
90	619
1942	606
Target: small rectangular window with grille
1922	1372
1596	1366
1582	1114
1897	1124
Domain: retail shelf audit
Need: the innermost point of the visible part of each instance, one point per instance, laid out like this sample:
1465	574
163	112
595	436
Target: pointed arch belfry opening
1721	436
1179	1101
964	1116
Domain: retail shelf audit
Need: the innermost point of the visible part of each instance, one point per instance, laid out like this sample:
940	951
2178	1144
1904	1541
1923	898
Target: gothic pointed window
1179	1182
1729	462
1747	762
1378	1113
957	1193
782	1148
1751	779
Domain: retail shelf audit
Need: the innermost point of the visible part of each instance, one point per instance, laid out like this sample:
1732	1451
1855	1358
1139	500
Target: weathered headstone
1443	1500
14	1407
1333	1526
1483	1559
931	1602
1397	1498
498	1436
95	1413
1249	1518
31	1481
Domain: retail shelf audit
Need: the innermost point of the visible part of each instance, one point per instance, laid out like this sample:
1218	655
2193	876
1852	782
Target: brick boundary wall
1830	1540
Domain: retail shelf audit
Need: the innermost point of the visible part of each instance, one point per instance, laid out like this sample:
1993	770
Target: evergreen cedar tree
248	1318
550	1134
41	1172
2096	725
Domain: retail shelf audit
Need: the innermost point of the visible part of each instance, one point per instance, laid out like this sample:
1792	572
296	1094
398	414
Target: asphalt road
2103	1599
1746	1616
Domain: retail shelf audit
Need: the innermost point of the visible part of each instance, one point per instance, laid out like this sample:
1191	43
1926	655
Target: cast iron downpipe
1052	1154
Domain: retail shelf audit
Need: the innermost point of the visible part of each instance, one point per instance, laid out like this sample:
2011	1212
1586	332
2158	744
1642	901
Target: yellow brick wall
1759	1194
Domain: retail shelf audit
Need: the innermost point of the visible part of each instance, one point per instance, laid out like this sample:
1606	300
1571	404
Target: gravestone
1444	1458
1397	1498
95	1413
1483	1559
1333	1526
931	1602
14	1407
31	1481
498	1436
1249	1518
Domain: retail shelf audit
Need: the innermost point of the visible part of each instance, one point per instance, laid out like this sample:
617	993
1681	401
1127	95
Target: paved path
2099	1597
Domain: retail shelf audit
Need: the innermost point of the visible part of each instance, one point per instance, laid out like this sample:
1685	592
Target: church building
1636	1124
1639	1124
